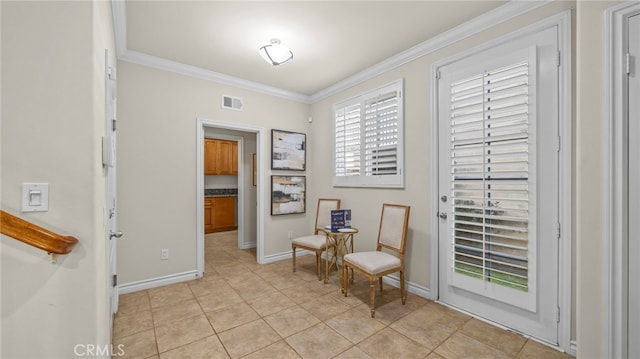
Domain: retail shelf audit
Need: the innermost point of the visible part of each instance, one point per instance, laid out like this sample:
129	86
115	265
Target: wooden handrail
35	235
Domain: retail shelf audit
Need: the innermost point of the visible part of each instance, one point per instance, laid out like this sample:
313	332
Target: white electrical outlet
164	254
290	235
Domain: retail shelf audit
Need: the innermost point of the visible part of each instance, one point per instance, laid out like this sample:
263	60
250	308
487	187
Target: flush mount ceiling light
275	54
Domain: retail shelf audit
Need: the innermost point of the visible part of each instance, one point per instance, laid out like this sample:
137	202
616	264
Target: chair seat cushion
374	261
315	241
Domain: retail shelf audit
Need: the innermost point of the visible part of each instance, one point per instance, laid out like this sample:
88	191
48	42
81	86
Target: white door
634	190
498	183
109	163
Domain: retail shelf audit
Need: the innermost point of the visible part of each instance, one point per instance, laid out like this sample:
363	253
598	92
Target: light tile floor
241	309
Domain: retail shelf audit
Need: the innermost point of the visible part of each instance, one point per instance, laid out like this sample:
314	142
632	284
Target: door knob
116	234
443	215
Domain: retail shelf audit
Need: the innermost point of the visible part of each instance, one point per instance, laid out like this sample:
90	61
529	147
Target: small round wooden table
342	243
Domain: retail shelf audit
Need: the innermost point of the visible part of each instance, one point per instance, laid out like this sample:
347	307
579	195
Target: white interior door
498	183
109	162
634	190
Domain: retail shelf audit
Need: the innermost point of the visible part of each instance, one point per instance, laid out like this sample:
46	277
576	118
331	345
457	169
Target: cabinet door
224	213
224	157
208	215
234	158
210	156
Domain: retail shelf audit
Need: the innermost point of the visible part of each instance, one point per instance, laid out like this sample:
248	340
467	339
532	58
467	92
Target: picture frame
288	194
288	150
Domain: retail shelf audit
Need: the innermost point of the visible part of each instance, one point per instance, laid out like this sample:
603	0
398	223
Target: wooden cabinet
220	157
219	214
208	215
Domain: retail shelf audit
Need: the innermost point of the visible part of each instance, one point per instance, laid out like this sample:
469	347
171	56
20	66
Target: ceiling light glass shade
275	54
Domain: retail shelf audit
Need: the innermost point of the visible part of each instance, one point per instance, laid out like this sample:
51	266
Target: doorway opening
250	206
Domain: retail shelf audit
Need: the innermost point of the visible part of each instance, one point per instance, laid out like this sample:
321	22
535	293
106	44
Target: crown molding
496	16
200	73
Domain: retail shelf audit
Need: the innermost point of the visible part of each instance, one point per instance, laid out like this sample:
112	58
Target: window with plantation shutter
490	175
368	139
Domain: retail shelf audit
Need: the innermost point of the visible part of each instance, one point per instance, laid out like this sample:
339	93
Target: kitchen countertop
221	192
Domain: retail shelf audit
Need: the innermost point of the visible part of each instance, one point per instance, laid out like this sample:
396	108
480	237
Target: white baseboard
573	348
394	281
285	255
157	282
248	245
412	288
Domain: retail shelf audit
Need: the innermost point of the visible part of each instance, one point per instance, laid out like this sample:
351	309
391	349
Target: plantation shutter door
381	135
491	127
347	140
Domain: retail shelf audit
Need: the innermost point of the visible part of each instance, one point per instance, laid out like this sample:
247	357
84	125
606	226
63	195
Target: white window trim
563	22
383	181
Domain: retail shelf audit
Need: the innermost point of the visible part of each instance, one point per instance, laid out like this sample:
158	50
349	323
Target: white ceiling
331	40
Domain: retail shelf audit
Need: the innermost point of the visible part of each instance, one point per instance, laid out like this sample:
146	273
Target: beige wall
157	113
52	120
591	174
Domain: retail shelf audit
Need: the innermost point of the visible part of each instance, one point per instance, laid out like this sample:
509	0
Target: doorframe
563	22
616	221
260	135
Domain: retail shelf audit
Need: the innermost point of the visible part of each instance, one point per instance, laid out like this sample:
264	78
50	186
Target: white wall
157	113
52	120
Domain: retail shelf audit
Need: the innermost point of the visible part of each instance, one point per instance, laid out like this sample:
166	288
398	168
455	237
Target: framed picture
287	194
288	150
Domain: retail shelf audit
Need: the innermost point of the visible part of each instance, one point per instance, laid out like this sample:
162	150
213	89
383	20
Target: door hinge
559	230
558	314
437	75
559	59
113	125
111	73
115	280
627	63
559	144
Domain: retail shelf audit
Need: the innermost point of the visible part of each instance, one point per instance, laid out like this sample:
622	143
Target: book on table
340	218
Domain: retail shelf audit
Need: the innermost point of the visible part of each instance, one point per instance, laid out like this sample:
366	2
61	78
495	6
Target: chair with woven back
387	258
317	242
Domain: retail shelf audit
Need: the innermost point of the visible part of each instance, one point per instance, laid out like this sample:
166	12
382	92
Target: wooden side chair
392	236
317	242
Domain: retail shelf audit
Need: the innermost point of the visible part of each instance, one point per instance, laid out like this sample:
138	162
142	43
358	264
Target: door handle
116	234
443	215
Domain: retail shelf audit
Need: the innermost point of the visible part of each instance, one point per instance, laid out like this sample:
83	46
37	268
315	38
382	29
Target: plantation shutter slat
381	135
490	176
347	141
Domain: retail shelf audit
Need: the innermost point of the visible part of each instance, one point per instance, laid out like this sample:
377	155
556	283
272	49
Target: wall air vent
232	103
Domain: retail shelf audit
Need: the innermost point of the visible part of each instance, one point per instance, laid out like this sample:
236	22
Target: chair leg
380	280
345	278
318	261
403	292
293	249
326	266
372	295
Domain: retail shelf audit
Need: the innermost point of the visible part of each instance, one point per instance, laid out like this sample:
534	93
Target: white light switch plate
35	197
